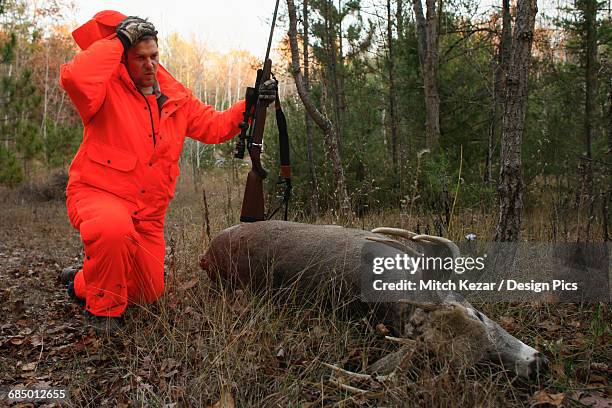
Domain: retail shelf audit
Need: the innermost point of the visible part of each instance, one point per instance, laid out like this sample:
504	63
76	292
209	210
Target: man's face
142	62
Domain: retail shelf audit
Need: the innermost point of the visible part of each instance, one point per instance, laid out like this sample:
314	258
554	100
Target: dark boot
67	274
72	294
105	325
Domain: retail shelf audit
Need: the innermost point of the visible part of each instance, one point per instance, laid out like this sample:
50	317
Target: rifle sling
285	162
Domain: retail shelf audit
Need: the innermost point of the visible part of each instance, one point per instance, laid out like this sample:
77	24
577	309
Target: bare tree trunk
392	99
238	80
323	122
610	119
314	202
590	16
43	126
607	197
399	19
228	87
58	116
216	95
205	89
511	180
194	167
427	33
499	86
332	69
505	50
342	105
488	176
205	218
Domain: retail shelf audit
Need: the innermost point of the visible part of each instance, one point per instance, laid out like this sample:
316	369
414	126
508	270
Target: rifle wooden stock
253	200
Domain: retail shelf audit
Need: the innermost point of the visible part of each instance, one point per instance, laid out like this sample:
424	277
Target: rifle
251	137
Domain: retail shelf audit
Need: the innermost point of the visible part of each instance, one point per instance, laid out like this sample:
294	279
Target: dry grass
199	344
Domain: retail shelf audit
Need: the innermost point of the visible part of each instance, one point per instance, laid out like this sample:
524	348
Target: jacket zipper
150	117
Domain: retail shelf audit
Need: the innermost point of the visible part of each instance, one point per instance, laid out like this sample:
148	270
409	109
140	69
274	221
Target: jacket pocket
111	157
111	169
173	174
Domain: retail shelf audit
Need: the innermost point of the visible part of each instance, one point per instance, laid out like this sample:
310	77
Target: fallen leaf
594	378
508	323
36	340
382	329
559	370
577	340
168	364
16	340
600	367
549	326
189	284
595	400
28	367
190	310
26	331
544	398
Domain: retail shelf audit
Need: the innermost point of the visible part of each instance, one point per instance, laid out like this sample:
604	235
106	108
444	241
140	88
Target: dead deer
332	260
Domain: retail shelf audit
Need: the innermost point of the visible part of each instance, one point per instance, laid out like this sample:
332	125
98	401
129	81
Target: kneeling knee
112	230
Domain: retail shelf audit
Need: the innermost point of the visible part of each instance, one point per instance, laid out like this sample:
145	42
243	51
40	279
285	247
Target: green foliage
8	49
63	140
553	129
20	101
29	137
10	170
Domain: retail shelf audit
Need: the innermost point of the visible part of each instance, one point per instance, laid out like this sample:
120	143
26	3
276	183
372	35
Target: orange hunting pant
124	257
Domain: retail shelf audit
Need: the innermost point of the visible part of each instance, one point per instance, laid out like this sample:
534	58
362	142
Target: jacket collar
168	85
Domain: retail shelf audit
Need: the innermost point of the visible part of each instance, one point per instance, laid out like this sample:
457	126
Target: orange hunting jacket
130	147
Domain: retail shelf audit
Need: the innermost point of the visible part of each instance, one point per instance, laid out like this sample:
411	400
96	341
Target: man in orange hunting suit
136	117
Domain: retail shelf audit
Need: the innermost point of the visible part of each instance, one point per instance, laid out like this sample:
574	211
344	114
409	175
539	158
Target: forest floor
199	347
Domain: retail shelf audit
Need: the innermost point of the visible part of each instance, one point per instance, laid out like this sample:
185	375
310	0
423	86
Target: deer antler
395	244
399	232
413	236
439	240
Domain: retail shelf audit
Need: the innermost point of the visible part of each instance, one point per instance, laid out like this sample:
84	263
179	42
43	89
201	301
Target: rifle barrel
271	31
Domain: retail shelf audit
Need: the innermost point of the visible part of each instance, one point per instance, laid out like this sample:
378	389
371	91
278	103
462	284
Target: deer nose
539	365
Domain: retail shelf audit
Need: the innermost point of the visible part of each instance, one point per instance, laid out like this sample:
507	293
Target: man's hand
268	91
132	29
